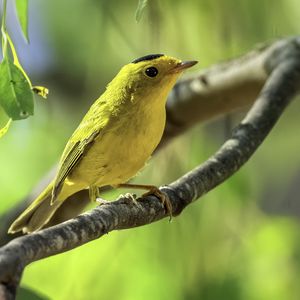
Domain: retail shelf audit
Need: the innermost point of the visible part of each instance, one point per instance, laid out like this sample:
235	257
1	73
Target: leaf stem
3	29
4	14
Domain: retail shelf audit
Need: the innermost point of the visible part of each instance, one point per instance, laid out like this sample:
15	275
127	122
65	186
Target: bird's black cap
147	57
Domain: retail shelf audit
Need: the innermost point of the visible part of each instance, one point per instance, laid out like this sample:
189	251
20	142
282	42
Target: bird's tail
38	214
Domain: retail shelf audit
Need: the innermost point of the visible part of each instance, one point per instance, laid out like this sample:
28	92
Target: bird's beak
183	65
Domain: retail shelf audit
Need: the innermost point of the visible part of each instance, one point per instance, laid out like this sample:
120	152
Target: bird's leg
152	190
94	194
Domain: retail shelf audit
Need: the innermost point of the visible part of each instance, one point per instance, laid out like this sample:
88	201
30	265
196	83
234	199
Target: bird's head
153	74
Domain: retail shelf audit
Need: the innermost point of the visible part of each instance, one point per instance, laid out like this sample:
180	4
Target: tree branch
281	63
197	98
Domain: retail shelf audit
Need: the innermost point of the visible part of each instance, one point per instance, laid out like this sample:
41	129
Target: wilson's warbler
114	140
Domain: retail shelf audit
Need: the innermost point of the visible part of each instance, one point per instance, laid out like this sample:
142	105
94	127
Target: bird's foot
128	198
101	201
163	197
152	190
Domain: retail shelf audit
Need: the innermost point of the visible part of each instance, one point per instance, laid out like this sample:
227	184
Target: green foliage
16	91
22	10
16	96
140	9
28	294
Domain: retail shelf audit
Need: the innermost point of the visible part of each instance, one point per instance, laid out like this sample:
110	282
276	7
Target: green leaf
16	96
140	9
22	11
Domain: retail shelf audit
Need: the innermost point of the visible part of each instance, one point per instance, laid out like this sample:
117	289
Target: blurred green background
242	240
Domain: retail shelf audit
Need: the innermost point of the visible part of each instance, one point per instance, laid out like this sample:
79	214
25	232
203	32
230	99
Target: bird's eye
151	72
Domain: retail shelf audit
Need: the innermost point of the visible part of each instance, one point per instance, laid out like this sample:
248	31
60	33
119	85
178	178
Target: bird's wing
71	159
76	148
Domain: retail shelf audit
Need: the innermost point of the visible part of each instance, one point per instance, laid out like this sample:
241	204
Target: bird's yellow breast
123	146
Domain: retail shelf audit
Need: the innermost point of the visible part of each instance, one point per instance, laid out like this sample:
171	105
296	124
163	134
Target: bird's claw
128	198
163	197
101	201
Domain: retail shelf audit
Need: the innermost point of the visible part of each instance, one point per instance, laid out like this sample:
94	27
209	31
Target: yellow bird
114	140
